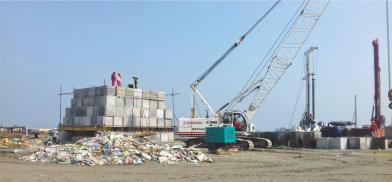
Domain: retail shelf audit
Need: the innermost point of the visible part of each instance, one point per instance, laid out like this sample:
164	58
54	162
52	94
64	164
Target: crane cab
239	121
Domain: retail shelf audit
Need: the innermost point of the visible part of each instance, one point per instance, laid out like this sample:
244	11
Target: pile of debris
118	149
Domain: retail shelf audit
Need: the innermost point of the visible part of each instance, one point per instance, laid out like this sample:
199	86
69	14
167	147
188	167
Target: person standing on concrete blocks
114	79
119	80
373	128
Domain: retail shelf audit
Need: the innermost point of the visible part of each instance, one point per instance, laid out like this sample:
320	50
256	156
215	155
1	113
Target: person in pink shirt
119	81
114	79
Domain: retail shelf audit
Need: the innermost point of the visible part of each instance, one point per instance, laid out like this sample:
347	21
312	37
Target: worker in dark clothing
135	81
130	85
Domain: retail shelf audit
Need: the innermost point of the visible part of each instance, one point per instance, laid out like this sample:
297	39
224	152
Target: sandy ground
264	165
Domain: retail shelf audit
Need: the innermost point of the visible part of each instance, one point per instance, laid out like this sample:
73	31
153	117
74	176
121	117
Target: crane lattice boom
284	54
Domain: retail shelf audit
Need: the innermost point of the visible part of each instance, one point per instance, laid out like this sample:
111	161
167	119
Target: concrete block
129	93
128	111
109	110
322	143
153	104
137	103
91	92
379	143
93	121
170	136
120	101
160	113
146	94
129	102
164	137
353	142
136	122
168	114
80	93
111	100
146	103
120	92
168	123
161	105
90	111
105	120
161	96
82	121
118	121
153	112
100	100
153	122
136	112
74	102
338	143
138	93
127	121
388	132
100	91
145	113
68	120
119	111
358	142
81	111
160	123
84	92
77	93
133	93
110	91
77	102
68	112
96	110
88	101
154	95
144	122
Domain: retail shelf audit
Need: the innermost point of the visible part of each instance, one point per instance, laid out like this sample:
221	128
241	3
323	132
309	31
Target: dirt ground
263	165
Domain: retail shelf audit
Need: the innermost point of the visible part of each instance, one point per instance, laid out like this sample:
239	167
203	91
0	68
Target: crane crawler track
258	142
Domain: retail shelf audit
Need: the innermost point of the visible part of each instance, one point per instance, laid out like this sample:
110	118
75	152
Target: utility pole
389	56
172	94
61	95
355	112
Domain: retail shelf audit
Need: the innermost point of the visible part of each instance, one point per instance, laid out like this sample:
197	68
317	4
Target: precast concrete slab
322	143
338	143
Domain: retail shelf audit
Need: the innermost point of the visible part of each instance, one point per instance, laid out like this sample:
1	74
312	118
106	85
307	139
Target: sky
168	45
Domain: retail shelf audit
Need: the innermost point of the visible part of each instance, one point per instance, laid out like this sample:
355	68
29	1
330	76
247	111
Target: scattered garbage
116	149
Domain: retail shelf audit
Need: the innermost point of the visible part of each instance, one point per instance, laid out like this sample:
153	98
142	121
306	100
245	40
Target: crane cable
388	49
299	93
253	78
236	44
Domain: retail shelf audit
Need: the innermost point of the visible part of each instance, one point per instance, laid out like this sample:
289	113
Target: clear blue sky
169	44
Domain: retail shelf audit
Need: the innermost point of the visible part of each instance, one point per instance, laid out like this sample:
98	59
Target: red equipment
377	118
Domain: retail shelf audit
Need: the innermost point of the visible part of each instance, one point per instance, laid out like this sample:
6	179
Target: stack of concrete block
162	137
338	143
322	143
388	132
332	143
343	143
118	107
359	142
